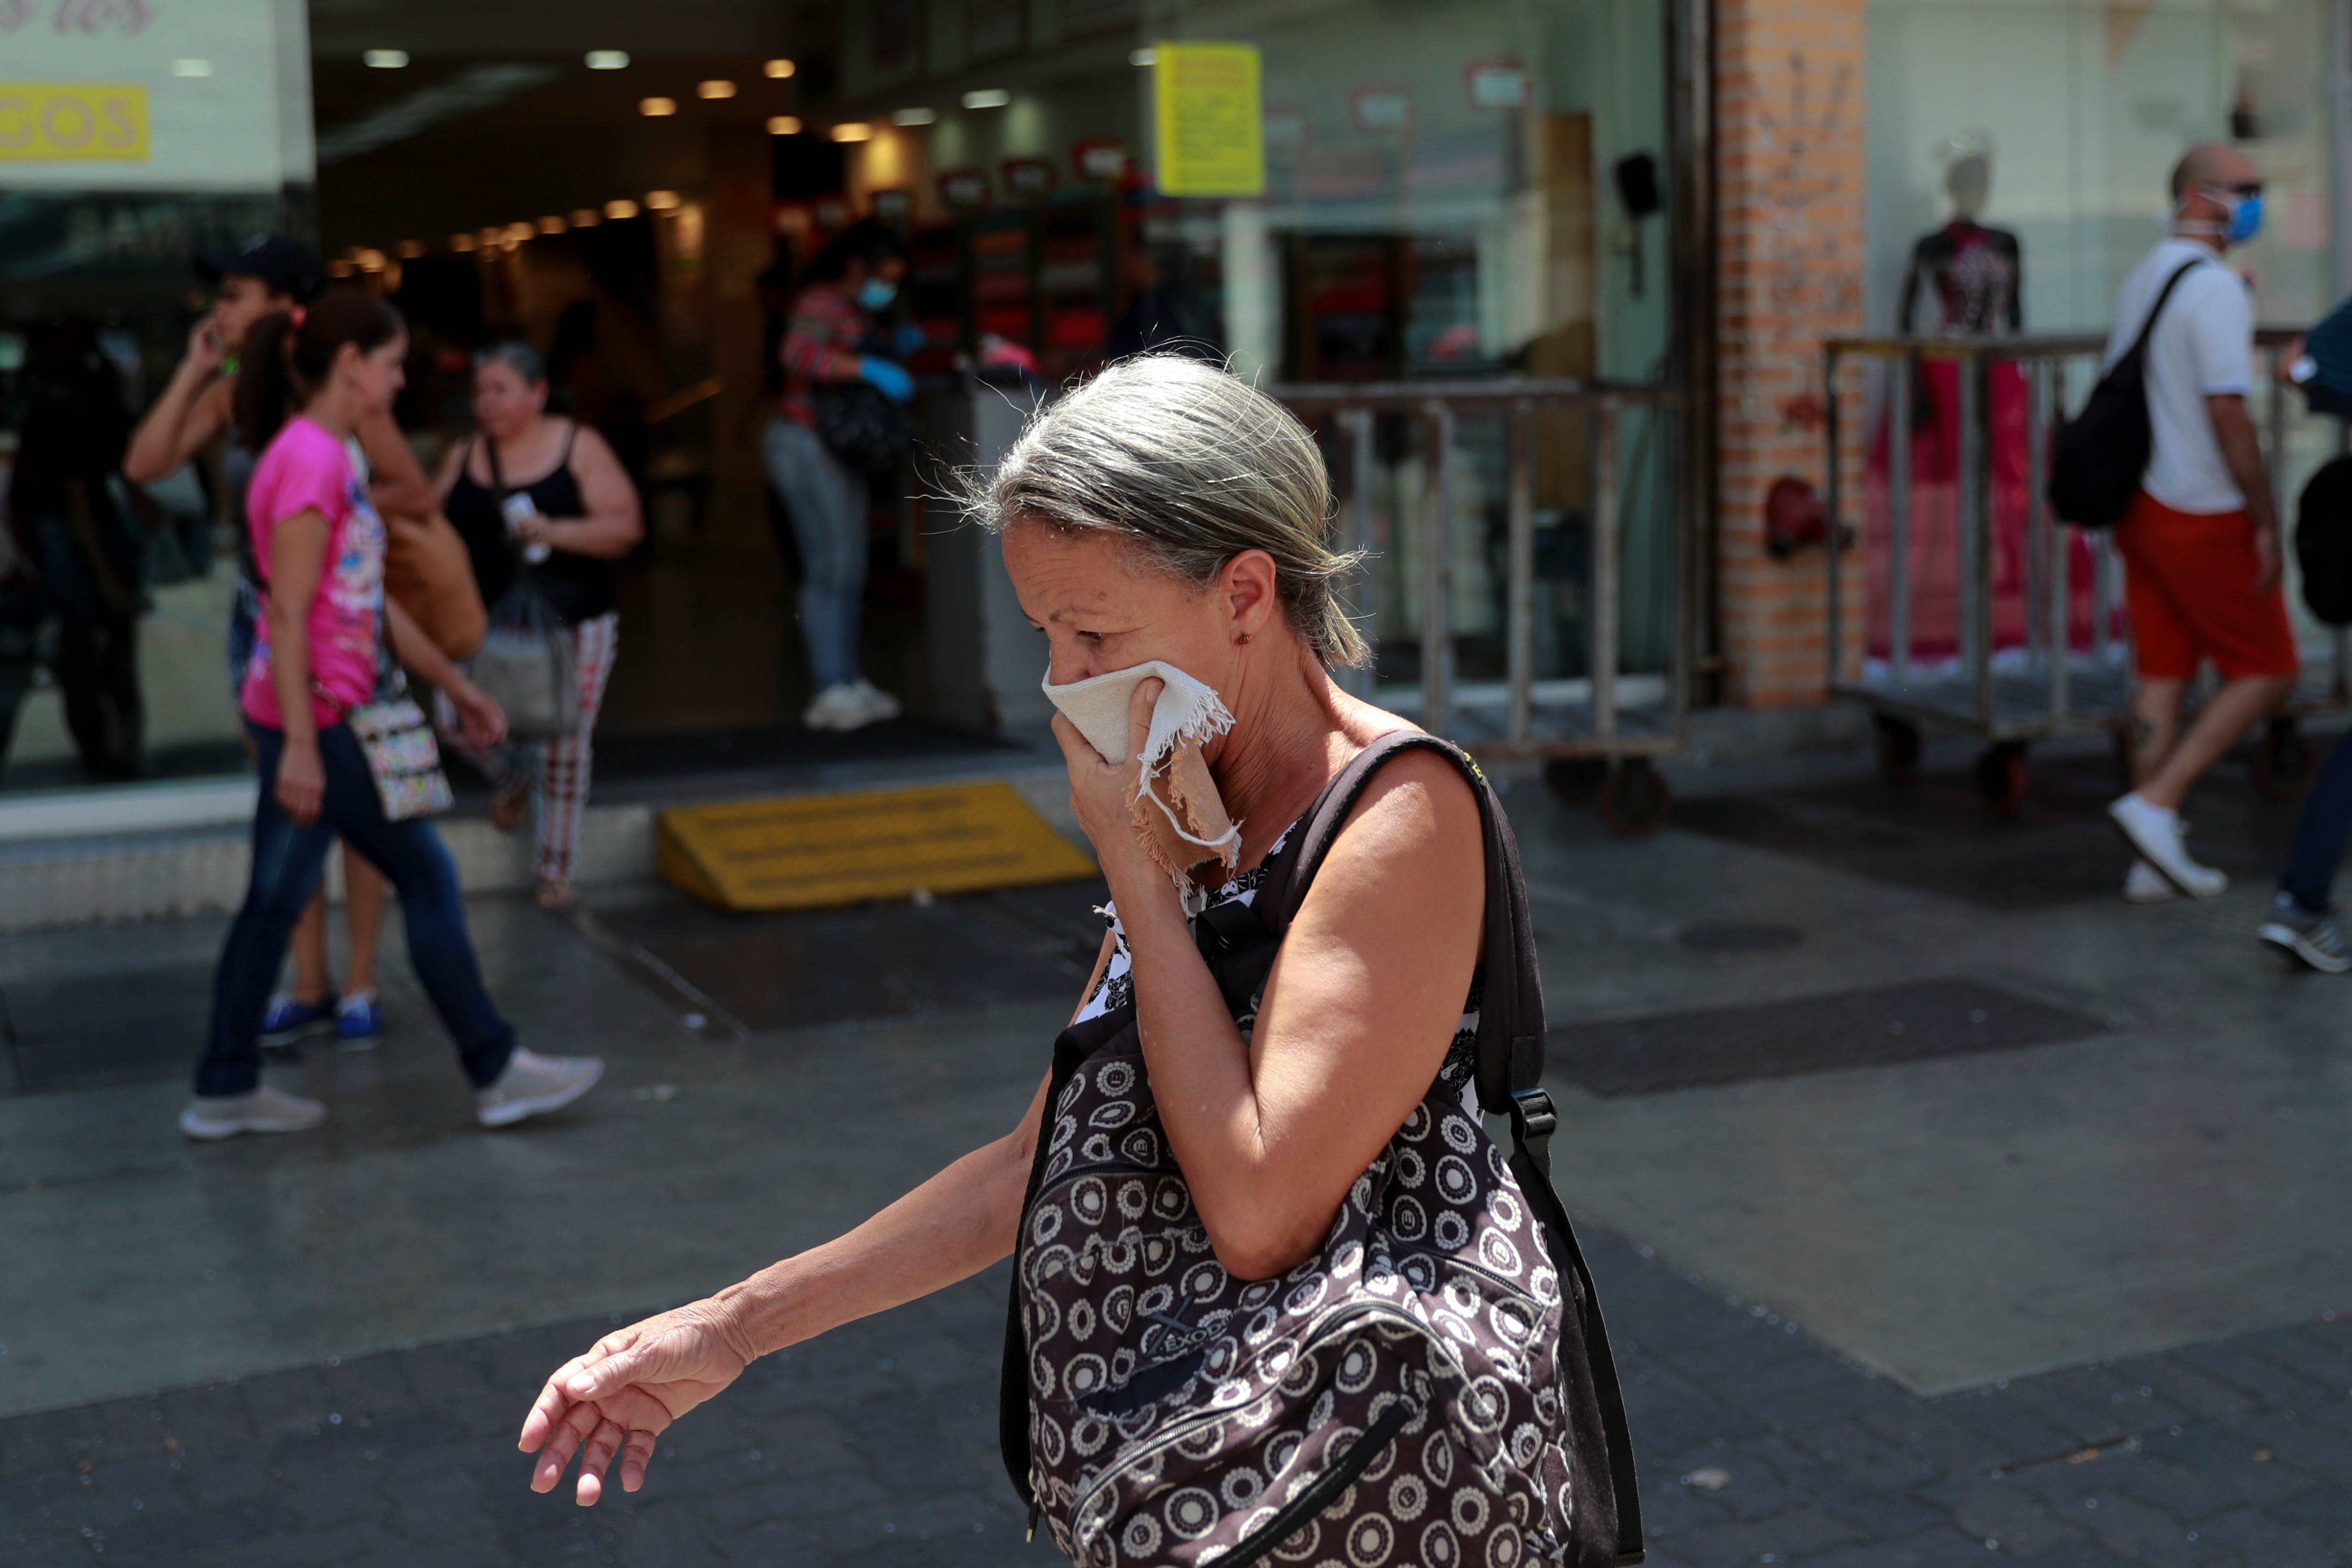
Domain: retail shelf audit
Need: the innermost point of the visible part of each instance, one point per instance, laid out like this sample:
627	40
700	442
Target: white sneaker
212	1117
2144	884
531	1084
835	708
879	704
2155	832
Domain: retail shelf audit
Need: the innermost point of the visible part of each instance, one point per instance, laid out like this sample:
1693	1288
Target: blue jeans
288	859
2319	837
827	503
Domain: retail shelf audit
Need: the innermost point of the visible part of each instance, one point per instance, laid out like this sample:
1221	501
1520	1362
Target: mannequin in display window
1972	270
1963	282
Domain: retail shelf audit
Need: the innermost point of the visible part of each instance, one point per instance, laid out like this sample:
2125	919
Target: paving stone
1784	1538
2000	1510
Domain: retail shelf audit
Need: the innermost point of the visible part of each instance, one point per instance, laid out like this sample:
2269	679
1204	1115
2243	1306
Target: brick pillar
1789	177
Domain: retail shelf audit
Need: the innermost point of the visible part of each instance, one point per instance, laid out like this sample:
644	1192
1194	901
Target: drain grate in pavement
1914	1022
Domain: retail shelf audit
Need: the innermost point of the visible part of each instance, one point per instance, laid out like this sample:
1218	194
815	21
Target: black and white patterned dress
1456	1076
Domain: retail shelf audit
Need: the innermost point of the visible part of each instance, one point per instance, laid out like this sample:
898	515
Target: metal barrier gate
1565	722
2045	685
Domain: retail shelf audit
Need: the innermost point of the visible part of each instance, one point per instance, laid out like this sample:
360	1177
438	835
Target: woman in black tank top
543	497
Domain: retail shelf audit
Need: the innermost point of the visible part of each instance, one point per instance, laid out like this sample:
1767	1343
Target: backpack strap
1510	1051
2147	328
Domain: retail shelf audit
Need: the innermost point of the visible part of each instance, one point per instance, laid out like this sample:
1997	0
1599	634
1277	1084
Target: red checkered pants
561	784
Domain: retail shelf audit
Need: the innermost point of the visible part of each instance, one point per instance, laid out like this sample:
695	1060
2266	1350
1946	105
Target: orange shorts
2189	584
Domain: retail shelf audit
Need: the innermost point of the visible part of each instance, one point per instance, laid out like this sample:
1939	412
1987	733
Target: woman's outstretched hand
623	1394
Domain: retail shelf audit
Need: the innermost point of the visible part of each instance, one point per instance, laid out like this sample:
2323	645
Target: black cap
286	265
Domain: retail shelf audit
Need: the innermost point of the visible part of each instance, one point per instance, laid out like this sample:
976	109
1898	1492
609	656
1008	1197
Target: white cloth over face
1190	824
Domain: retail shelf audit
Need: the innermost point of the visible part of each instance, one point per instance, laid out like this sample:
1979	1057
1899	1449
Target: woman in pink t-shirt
325	626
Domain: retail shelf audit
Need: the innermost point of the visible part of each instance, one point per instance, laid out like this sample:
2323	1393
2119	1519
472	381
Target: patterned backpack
1433	1386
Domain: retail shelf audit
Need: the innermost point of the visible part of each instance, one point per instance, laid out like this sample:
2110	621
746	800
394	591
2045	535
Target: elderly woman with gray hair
1230	1310
544	497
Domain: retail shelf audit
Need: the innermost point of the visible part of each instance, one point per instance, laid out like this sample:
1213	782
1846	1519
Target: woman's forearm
290	669
950	1228
604	536
417	651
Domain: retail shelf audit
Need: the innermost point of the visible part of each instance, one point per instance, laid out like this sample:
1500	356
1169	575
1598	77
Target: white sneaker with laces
212	1117
879	704
533	1084
2144	884
835	708
2155	832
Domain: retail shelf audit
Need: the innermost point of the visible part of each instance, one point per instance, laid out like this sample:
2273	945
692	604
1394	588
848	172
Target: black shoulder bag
2101	455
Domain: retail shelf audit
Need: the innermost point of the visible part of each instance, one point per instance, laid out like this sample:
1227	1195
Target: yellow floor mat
810	851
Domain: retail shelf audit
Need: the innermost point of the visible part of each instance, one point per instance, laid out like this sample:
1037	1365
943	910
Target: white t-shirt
2204	347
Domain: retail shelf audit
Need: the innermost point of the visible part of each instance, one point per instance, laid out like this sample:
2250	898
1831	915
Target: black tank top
579	586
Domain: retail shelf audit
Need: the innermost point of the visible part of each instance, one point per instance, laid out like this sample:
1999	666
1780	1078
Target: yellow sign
50	121
814	850
1210	119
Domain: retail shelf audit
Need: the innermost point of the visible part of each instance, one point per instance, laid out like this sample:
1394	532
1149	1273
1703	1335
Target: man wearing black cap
260	278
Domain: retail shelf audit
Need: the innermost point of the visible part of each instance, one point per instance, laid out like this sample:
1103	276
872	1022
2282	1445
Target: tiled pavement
877	1446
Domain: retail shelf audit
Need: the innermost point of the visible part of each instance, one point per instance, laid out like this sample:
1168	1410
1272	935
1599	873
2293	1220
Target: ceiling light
987	97
409	249
386	59
621	210
784	125
586	217
494	235
340	270
372	260
608	59
1143	57
553	224
661	201
192	67
516	232
780	68
656	108
915	117
714	89
461	243
852	131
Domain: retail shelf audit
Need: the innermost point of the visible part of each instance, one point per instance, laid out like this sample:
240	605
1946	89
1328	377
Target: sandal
510	805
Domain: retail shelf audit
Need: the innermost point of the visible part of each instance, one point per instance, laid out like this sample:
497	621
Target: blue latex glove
910	338
892	380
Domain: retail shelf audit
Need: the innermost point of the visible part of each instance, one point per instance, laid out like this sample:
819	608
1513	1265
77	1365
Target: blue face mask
2245	219
875	293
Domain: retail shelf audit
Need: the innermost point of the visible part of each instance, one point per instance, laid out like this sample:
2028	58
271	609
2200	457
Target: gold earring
1242	640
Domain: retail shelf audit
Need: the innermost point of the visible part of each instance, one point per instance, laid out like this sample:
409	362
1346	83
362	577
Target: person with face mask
834	337
2200	541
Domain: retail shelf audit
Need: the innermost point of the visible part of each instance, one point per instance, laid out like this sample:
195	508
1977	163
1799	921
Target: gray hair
1190	465
517	356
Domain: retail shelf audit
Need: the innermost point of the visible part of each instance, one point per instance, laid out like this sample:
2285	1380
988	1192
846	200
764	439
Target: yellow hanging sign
1210	120
51	121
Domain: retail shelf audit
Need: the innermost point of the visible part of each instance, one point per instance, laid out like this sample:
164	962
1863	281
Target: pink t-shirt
306	469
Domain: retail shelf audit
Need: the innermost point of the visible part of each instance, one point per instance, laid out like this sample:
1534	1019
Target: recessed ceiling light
493	235
987	97
461	242
656	108
661	201
621	210
714	89
608	59
1143	57
586	217
192	67
339	268
780	68
409	249
553	224
852	131
386	59
784	125
915	117
519	232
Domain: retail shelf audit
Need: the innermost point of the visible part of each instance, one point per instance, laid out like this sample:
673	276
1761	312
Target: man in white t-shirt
2200	542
